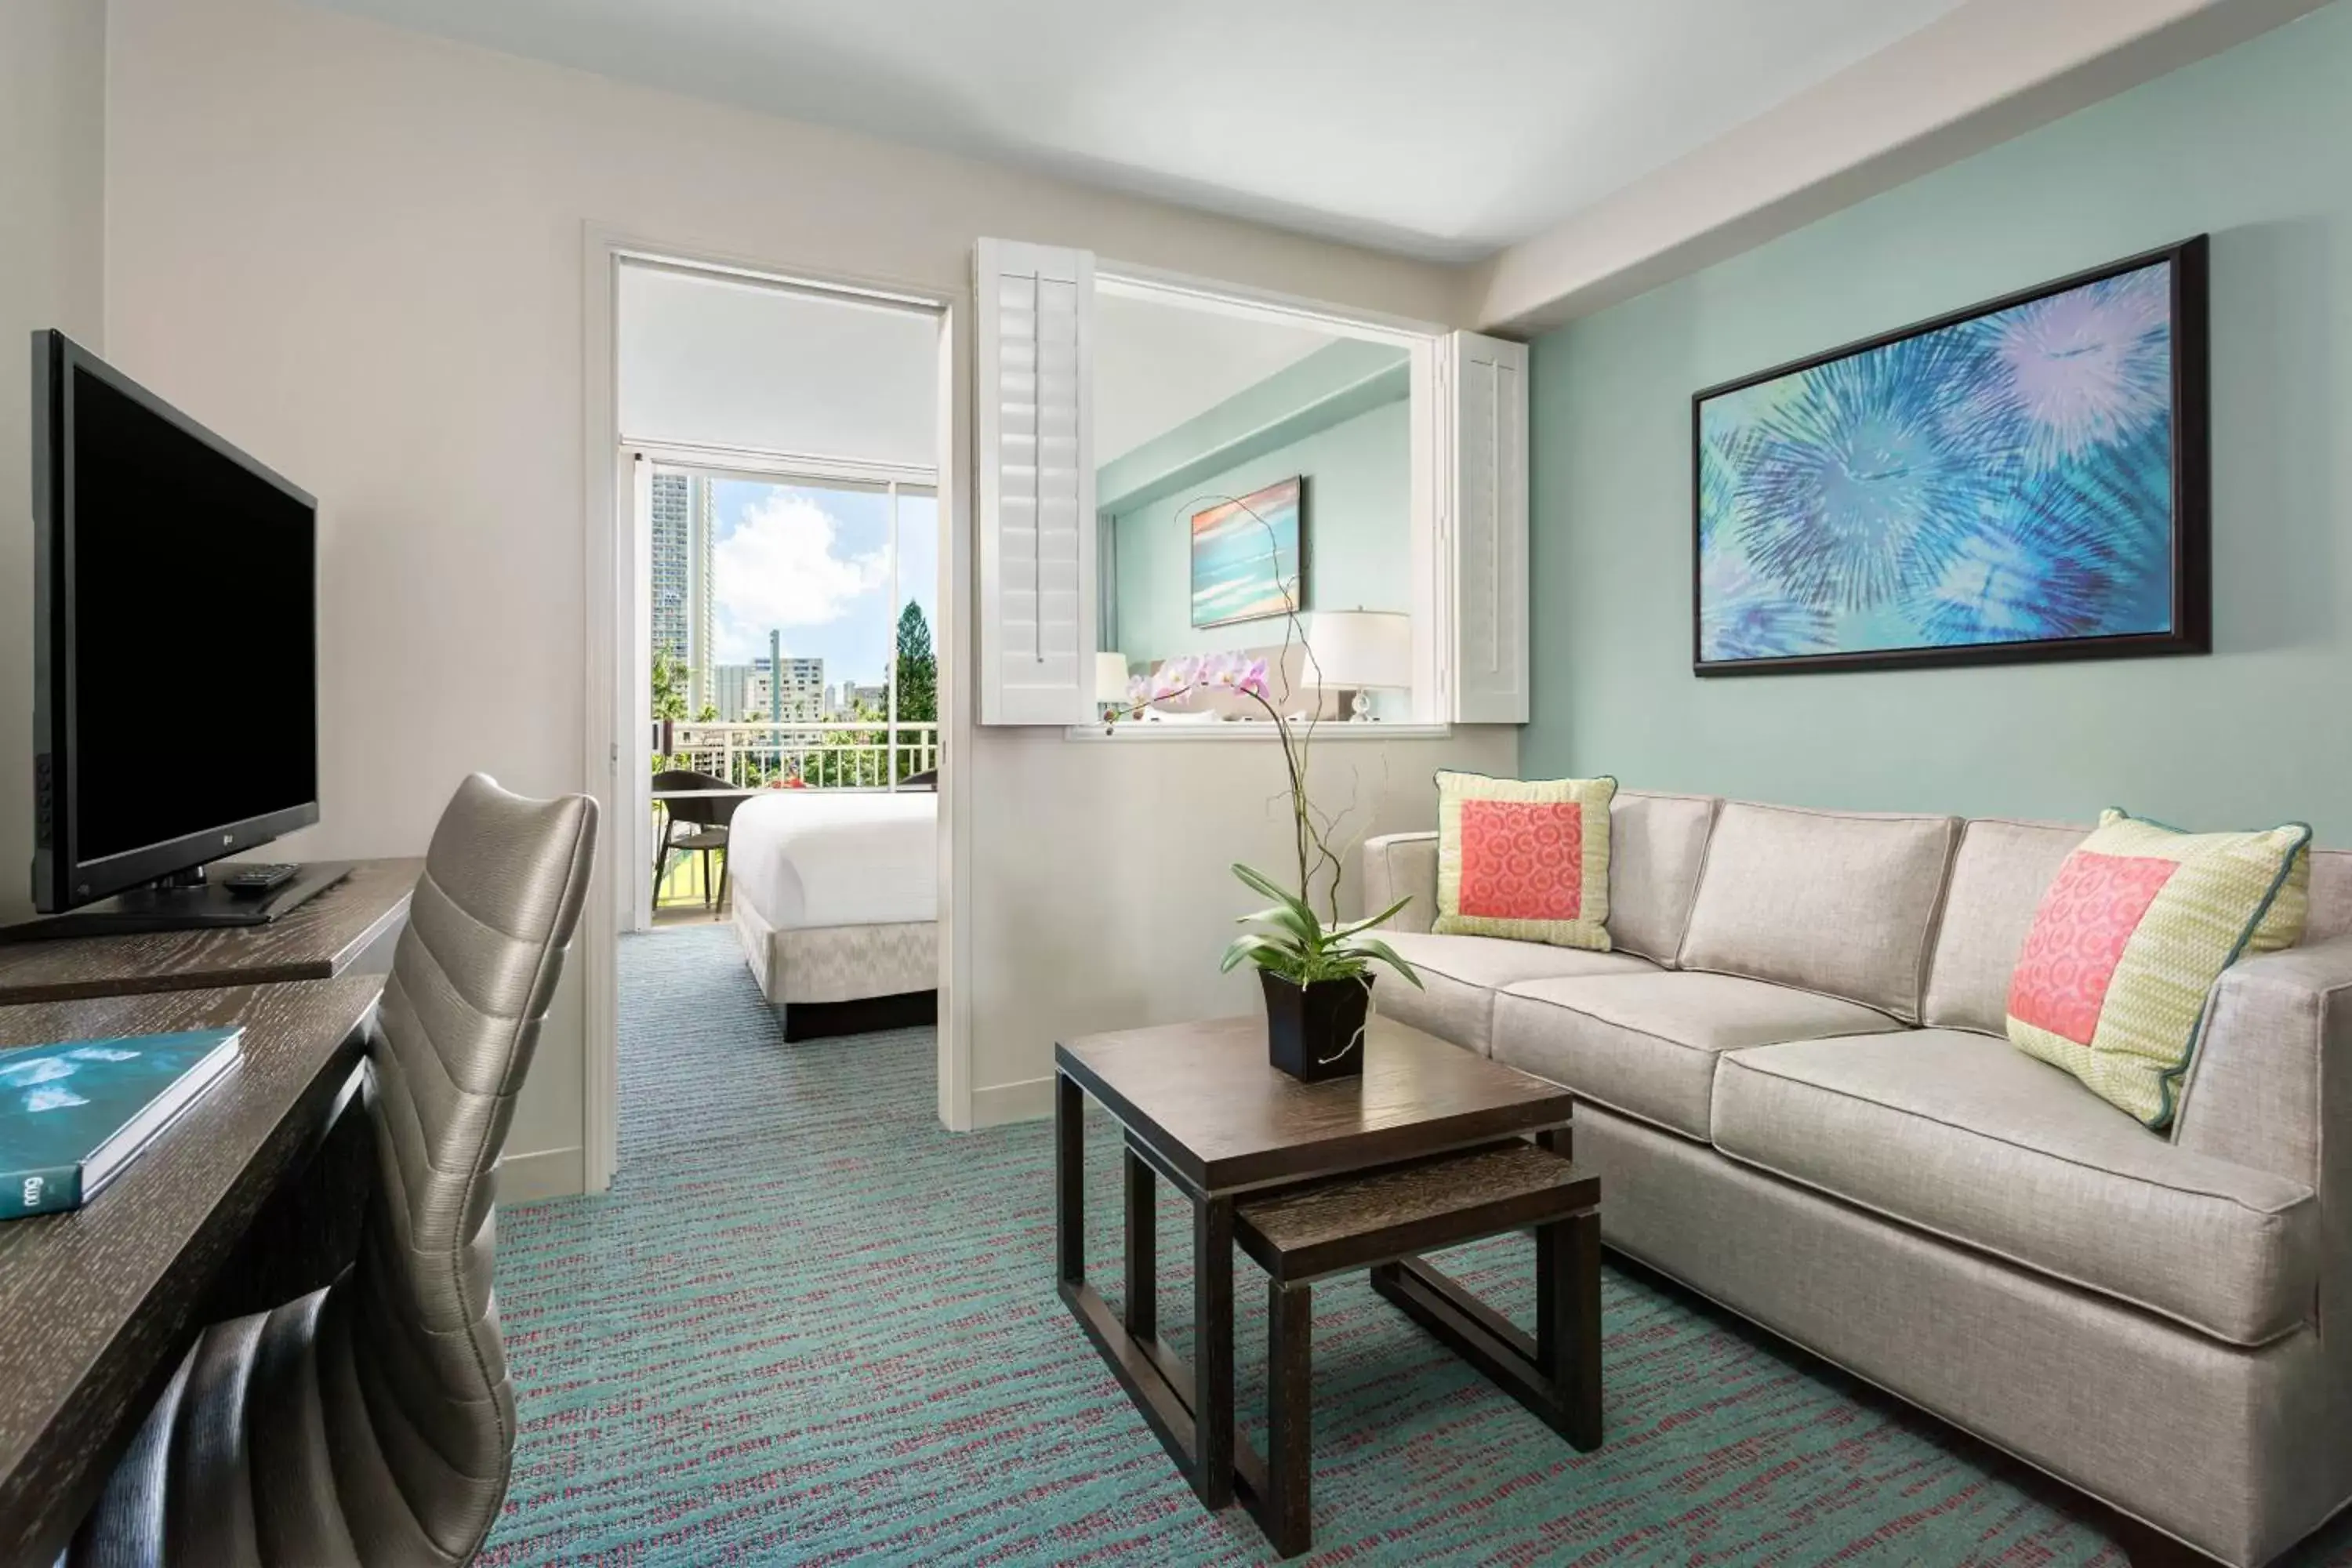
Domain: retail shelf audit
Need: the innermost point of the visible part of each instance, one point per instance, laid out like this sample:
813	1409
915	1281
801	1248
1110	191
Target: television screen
179	711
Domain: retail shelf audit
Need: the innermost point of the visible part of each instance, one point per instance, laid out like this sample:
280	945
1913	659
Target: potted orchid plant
1314	967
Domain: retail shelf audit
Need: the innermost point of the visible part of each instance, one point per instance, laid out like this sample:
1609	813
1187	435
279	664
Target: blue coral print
2006	480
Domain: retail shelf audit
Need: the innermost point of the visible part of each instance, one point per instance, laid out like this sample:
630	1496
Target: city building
683	613
742	692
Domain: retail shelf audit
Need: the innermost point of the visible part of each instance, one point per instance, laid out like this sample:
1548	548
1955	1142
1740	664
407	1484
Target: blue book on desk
72	1115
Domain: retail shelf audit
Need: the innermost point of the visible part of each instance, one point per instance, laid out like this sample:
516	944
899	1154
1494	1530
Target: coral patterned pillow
1524	858
2140	922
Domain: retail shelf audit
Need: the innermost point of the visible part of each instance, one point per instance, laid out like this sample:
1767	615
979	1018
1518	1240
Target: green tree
919	667
670	686
919	686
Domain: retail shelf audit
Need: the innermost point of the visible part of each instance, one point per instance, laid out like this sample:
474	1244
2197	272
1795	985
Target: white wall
52	256
357	253
1122	928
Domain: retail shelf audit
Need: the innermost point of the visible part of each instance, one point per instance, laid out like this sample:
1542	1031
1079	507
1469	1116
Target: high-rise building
741	690
733	692
673	521
803	688
684	615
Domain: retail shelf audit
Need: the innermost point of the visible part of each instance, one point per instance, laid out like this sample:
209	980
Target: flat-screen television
175	675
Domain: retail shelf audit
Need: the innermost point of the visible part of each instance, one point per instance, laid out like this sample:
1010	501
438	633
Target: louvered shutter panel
1487	387
1036	311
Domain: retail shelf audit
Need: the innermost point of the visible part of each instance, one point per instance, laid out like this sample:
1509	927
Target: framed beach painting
2023	479
1249	556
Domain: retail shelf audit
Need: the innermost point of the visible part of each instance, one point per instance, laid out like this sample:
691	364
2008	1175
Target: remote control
249	881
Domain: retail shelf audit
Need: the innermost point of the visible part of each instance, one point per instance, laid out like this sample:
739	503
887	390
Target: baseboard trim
999	1104
542	1174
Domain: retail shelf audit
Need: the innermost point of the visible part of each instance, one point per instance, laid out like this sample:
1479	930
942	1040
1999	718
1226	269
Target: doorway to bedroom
778	451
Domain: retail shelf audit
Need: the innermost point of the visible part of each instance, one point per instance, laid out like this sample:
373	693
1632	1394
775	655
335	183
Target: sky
815	564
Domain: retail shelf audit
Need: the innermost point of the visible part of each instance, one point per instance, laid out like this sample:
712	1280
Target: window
792	621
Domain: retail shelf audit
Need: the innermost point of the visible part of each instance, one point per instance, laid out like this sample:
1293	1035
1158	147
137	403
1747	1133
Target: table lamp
1360	651
1110	679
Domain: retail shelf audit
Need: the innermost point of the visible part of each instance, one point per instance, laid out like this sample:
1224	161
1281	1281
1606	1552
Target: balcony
827	754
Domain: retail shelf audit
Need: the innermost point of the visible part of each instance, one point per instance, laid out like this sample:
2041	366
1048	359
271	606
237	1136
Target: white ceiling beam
1980	74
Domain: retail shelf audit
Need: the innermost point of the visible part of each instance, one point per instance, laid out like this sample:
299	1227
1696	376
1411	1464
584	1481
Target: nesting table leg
1568	1322
1289	1464
1070	1182
1142	1249
1213	1336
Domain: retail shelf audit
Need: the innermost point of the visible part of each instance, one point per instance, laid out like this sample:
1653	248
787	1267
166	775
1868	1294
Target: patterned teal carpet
808	1326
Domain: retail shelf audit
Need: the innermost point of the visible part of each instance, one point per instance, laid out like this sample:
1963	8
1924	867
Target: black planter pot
1316	1031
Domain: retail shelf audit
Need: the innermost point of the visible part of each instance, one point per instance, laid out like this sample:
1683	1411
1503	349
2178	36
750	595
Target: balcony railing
830	754
816	754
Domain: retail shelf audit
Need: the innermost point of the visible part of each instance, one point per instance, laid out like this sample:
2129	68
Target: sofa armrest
2270	1087
1401	864
2260	1091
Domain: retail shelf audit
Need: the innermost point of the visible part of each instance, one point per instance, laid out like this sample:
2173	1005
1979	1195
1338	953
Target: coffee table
1199	1105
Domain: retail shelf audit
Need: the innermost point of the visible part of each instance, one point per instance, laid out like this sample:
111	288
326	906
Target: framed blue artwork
2027	478
1249	556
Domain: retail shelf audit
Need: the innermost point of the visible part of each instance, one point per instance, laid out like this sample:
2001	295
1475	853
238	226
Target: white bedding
828	857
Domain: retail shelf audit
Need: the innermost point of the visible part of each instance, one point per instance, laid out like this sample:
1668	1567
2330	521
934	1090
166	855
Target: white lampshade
1358	650
1110	677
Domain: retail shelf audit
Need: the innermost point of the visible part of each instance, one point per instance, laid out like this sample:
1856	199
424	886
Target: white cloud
781	567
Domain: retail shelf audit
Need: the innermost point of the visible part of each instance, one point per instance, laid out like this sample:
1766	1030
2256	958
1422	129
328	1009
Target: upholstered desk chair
371	1423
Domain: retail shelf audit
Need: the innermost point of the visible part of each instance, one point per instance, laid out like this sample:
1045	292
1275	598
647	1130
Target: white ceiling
714	362
1157	366
1443	131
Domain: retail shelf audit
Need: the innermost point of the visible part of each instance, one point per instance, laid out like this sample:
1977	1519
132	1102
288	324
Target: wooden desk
100	1305
318	939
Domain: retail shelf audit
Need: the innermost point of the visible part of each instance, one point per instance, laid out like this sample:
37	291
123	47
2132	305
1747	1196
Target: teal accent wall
1341	417
2254	146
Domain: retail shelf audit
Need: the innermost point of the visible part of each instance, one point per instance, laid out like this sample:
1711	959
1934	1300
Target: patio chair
704	818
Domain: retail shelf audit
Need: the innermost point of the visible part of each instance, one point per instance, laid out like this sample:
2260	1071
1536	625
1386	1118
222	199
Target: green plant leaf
1374	947
1267	951
1259	881
1286	919
1383	918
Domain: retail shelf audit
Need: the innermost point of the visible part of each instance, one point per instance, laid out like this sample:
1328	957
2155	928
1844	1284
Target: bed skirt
837	963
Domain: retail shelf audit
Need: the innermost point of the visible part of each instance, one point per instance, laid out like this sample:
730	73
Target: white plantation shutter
1035	450
1487	502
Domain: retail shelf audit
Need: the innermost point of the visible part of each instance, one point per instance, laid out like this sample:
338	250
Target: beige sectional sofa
1793	1082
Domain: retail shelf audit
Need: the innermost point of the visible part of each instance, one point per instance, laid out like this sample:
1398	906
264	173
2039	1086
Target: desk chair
372	1422
707	816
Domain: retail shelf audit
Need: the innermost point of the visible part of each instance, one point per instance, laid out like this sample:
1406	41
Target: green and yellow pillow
2139	923
1524	858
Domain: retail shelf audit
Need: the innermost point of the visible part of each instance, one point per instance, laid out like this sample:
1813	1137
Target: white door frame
615	584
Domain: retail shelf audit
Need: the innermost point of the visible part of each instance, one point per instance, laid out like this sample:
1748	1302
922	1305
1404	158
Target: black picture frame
2192	500
1193	561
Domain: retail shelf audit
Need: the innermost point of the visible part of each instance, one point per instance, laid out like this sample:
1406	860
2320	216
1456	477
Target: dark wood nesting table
1199	1105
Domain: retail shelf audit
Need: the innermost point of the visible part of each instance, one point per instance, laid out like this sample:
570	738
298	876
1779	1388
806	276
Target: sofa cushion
1839	902
1999	875
1961	1136
1655	845
1461	974
1647	1043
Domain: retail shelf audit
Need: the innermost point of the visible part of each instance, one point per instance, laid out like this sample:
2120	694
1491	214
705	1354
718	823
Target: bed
837	903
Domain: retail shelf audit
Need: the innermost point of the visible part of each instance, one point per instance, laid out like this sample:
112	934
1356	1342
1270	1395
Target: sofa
1792	1078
